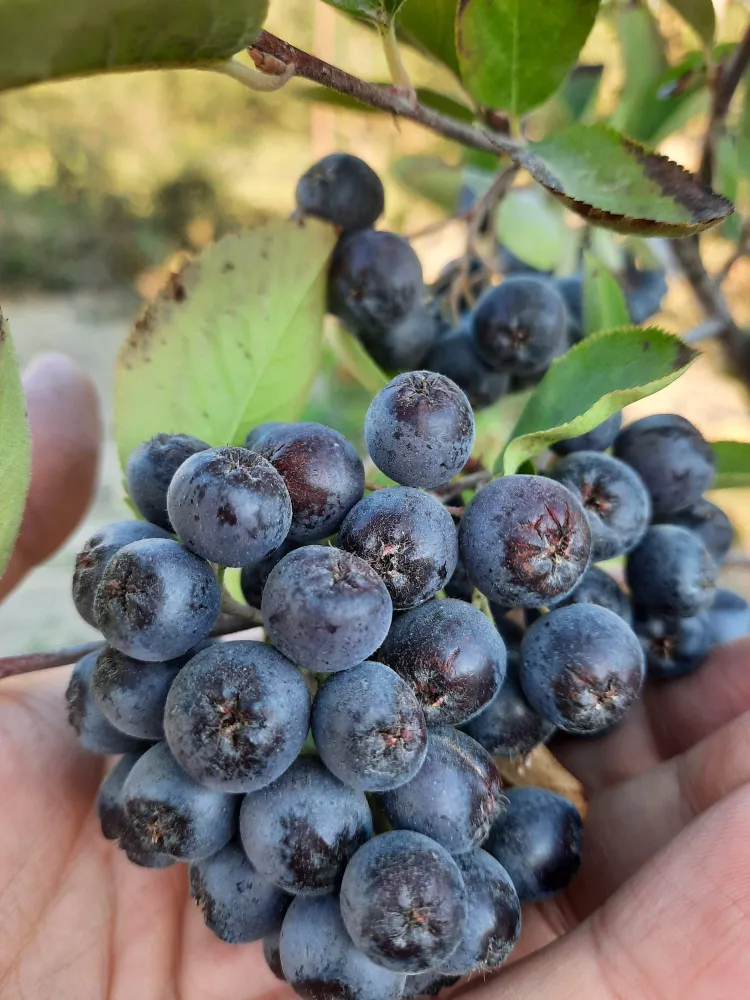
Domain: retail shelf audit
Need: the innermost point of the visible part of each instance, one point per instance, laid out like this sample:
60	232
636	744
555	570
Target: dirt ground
40	614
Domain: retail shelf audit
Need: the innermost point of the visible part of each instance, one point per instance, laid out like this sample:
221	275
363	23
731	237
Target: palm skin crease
660	909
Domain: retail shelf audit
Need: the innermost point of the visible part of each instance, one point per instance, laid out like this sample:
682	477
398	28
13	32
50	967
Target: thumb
679	930
65	426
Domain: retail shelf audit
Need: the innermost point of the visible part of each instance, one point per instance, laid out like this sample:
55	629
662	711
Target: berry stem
396	67
482	603
27	663
250	616
541	769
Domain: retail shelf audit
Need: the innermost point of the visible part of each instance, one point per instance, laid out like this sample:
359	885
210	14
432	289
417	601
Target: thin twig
274	55
456	486
27	663
742	249
242	612
708	330
727	81
707	291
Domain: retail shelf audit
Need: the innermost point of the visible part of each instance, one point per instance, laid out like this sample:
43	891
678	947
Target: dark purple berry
728	617
369	728
150	470
322	472
253	578
326	609
537	840
169	813
375	282
710	524
671	573
95	555
598	587
509	726
156	600
494	916
341	189
616	502
671	457
320	961
230	506
674	647
451	655
404	902
109	805
408	538
132	694
237	716
525	540
95	732
272	954
419	429
520	326
238	905
582	667
455	796
455	357
301	831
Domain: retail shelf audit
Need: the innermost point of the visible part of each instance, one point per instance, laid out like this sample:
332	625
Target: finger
679	930
629	823
671	717
65	426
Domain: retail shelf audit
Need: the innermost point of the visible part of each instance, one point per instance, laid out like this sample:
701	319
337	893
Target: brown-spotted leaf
233	340
616	183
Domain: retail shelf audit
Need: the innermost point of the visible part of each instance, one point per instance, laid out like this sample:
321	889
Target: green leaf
593	380
514	54
743	133
616	183
430	25
604	305
580	89
727	180
700	15
47	39
732	464
643	53
234	339
15	450
430	178
430	98
350	353
532	227
375	11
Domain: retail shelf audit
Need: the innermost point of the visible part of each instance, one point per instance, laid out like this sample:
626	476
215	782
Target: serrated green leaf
604	305
595	379
48	39
233	340
350	353
430	25
732	464
430	98
700	15
15	447
514	54
532	227
430	178
616	183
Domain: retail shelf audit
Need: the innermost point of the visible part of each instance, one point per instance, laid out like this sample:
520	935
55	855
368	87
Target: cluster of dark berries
490	339
333	789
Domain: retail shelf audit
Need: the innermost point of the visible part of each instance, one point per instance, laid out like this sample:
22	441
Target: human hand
659	909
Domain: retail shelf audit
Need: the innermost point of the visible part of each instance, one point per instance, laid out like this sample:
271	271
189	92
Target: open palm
660	909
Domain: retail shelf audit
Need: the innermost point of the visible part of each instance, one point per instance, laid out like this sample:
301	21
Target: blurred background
106	182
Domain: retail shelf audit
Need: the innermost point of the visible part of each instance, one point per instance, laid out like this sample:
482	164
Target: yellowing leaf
15	446
233	340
